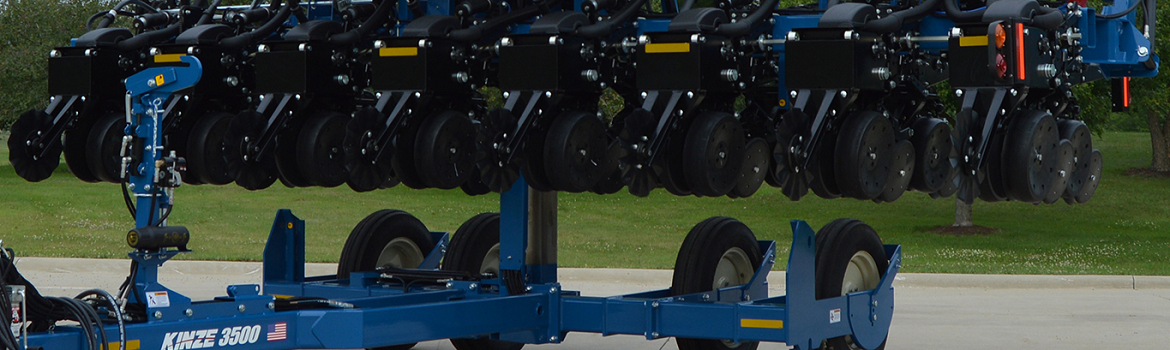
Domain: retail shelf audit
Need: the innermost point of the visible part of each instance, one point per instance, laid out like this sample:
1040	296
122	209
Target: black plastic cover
317	30
847	15
432	26
208	34
103	37
558	23
700	20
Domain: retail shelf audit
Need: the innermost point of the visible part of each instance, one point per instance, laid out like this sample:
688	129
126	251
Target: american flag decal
277	331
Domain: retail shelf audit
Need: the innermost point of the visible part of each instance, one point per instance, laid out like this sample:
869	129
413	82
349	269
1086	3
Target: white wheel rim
861	274
401	253
491	261
734	269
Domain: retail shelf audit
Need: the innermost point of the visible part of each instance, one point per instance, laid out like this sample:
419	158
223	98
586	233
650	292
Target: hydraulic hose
686	6
606	27
955	14
209	14
1122	13
376	20
478	31
1049	18
894	21
145	39
744	25
264	31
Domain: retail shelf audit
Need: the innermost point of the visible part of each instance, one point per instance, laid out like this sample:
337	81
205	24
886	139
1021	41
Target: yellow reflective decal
130	345
668	48
159	80
169	58
398	51
978	40
756	323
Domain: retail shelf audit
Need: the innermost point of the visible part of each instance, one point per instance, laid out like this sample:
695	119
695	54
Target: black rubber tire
932	149
444	150
103	147
694	269
403	161
1096	165
372	234
991	186
469	246
366	171
858	174
287	167
842	240
1030	156
320	149
74	146
531	159
494	172
756	164
823	182
251	174
576	151
1064	168
1077	133
32	167
206	156
713	154
901	172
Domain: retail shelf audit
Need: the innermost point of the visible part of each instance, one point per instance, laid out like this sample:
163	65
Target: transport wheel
253	170
717	253
494	172
901	172
1090	185
1077	133
385	239
637	172
1064	167
403	160
849	258
576	151
206	158
756	162
368	165
864	149
74	147
932	149
288	171
713	154
1030	156
32	158
792	178
445	150
320	149
475	249
103	147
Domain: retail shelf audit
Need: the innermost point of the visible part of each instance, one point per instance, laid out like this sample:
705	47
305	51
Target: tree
1150	100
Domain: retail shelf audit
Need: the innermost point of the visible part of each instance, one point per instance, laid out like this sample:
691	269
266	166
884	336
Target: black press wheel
756	163
901	172
444	151
531	159
1064	168
1092	179
713	154
385	239
287	167
719	252
254	170
576	152
1078	135
1030	156
403	161
864	149
991	177
205	149
850	258
103	147
74	147
320	151
932	149
475	249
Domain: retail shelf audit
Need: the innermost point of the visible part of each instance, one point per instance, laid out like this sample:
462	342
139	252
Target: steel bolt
271	305
241	308
654	303
654	334
552	338
473	286
158	314
189	312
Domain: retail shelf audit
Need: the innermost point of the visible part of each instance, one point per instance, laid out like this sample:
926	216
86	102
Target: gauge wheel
756	163
932	149
320	149
254	170
719	252
444	151
1030	156
576	152
103	148
713	154
901	171
205	149
864	149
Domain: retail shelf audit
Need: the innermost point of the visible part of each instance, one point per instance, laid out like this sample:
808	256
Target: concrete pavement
933	310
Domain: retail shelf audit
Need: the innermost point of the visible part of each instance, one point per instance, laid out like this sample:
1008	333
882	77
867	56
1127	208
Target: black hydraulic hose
1049	18
894	21
955	14
209	14
686	6
1122	13
606	27
1151	26
148	38
478	31
376	20
744	25
108	16
264	31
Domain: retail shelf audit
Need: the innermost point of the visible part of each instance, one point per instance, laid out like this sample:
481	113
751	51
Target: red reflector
1125	92
1000	65
1020	51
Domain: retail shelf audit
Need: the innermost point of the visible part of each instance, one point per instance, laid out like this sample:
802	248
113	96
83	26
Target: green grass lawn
1125	229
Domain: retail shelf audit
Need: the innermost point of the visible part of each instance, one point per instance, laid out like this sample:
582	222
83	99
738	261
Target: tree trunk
962	214
1159	134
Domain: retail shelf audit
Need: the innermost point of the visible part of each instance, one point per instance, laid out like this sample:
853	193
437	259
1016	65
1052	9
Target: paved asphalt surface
932	312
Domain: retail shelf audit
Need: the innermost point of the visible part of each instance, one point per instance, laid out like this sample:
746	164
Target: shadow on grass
974	230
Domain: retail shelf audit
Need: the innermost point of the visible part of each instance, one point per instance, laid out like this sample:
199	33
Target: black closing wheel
491	139
32	155
205	149
1030	156
576	152
789	174
1092	178
713	154
103	148
756	163
719	252
444	151
901	171
1077	134
475	249
849	258
864	149
367	162
636	171
932	149
321	150
254	170
1064	168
